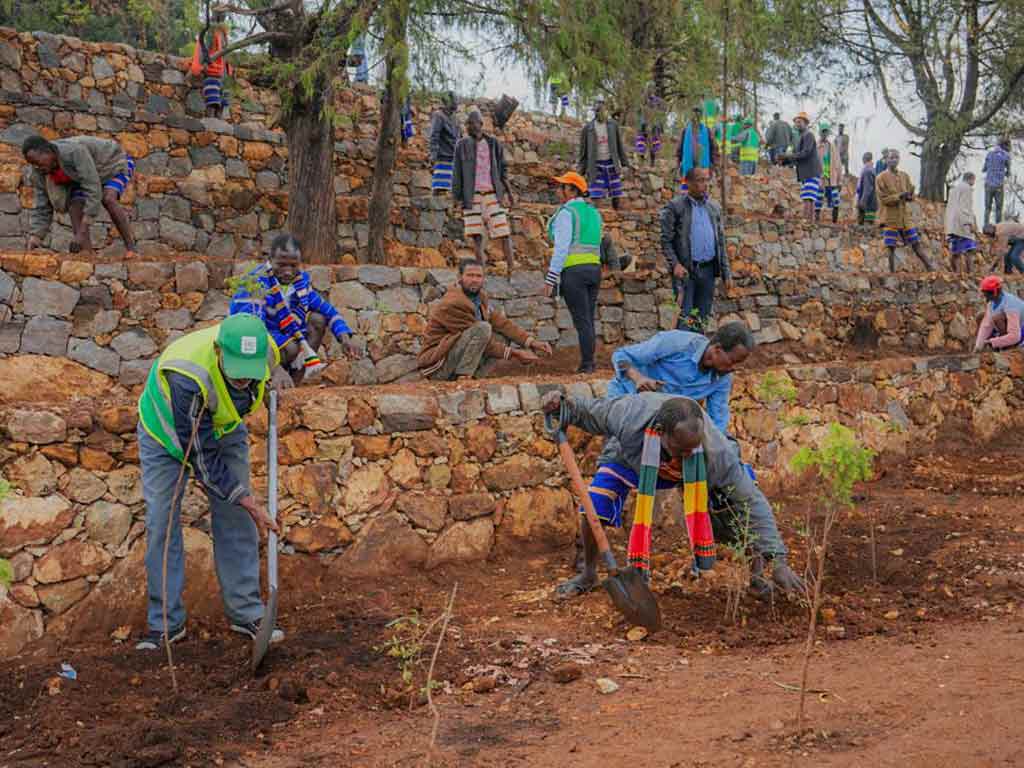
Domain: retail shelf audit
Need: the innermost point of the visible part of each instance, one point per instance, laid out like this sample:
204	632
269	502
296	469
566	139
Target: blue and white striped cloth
442	178
117	183
213	93
811	190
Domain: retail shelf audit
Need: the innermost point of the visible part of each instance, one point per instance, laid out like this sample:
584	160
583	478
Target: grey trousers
236	540
466	357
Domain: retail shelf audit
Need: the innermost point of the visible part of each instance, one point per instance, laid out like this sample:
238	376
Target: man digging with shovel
190	415
657	441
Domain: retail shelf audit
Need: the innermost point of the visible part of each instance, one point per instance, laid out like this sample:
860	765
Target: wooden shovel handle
569	460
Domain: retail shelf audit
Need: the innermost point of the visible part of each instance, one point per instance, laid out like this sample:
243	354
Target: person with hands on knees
575	268
77	175
281	294
675	435
191	413
1000	327
693	242
465	337
684	363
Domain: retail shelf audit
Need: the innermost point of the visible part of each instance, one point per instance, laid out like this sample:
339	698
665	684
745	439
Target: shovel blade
634	599
261	644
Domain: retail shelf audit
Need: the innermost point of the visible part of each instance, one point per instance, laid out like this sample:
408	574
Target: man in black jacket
479	182
808	165
694	246
444	133
602	156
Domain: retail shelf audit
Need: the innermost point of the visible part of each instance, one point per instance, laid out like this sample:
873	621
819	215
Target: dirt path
924	666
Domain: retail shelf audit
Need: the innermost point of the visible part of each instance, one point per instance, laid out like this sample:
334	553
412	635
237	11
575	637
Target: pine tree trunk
312	211
388	134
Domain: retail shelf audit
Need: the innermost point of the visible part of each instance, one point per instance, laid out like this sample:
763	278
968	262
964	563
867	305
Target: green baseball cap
243	342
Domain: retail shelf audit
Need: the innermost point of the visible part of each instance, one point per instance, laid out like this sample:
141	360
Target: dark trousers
993	203
1012	260
698	293
579	288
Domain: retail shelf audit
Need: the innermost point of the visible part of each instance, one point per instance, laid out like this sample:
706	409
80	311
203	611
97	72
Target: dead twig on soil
430	676
798	689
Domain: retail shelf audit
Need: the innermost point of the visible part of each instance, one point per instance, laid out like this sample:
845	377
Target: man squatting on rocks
479	183
895	190
464	334
76	175
294	314
205	384
682	429
1000	327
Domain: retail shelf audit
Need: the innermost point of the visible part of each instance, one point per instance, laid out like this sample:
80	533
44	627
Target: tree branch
234	9
262	37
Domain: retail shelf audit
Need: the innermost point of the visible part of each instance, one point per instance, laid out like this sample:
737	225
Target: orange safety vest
214	68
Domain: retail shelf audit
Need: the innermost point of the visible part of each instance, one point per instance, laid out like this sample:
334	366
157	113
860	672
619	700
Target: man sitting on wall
77	175
464	337
280	293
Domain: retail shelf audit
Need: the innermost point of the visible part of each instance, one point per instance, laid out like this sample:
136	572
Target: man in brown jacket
464	335
895	190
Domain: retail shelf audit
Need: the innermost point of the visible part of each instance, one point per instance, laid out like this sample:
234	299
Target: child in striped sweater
295	315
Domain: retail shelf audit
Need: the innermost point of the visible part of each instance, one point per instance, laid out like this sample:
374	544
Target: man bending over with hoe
656	441
281	294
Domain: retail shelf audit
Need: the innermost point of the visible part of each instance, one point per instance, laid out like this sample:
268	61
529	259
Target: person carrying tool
191	418
684	363
296	316
1000	327
656	433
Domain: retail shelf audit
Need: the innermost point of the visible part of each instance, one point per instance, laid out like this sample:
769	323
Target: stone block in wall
638	302
502	398
174	319
133	344
236	169
407	413
175	207
192	277
352	294
379	276
10	55
7	286
149	274
462	406
394	367
45	336
10	336
402	299
90	354
177	234
11	225
134	372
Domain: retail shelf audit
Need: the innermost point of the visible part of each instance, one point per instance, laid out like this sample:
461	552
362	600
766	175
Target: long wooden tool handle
569	460
272	487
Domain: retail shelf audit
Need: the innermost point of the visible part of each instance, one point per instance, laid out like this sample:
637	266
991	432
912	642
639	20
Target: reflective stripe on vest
748	154
580	252
193	356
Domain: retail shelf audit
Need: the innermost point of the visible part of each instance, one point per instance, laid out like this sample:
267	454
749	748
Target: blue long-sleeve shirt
702	233
673	357
210	468
284	309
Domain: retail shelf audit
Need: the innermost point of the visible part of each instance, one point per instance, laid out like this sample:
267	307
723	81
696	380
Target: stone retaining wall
114	318
401	477
219	187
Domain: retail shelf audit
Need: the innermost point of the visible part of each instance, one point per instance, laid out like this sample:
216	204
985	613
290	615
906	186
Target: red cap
991	284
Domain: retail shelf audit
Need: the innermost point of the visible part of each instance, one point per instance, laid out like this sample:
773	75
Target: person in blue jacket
281	294
686	364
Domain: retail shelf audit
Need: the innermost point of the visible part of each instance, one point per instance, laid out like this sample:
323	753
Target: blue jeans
235	537
698	292
1012	260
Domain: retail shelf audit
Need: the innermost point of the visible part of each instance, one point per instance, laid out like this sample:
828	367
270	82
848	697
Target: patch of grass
775	388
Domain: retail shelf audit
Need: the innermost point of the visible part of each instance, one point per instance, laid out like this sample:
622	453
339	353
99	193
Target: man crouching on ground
464	334
682	429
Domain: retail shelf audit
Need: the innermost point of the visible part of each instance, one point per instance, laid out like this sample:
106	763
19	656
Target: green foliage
797	420
247	282
840	461
405	645
776	387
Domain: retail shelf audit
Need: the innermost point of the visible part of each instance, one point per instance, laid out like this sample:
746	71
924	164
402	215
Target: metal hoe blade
261	644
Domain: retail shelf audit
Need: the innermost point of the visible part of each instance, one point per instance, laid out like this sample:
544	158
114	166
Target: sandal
576	586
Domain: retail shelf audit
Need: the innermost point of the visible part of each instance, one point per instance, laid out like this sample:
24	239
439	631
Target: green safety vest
749	150
586	233
710	113
732	132
194	356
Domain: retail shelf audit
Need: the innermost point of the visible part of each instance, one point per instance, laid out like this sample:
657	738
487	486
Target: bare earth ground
923	668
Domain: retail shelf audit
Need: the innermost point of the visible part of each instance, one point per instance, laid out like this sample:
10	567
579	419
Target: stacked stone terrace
403	473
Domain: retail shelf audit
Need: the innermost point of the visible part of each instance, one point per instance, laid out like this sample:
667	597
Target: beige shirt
603	151
1005	230
960	219
892	208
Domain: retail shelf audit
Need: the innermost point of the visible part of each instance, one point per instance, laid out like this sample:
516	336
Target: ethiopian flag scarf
695	506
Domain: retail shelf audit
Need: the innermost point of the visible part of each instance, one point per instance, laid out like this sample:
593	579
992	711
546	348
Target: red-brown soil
922	668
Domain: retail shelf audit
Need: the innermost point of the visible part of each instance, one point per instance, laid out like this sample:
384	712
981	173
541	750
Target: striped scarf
693	474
